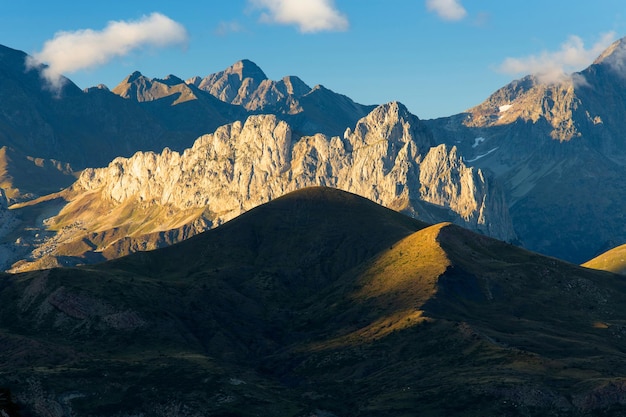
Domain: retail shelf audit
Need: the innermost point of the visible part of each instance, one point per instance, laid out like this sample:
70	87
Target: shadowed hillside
317	303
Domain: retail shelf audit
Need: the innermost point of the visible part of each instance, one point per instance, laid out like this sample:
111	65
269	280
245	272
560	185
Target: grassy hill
318	303
612	260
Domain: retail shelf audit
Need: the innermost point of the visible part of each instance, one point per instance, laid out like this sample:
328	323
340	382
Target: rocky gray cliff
388	157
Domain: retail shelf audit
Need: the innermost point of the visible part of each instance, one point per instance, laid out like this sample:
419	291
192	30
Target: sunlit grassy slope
613	260
320	300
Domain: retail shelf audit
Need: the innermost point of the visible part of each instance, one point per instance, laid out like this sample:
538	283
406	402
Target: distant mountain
70	126
309	111
90	128
200	105
151	199
179	106
558	150
317	303
238	84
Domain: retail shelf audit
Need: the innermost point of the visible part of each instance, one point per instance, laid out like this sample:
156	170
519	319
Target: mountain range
90	128
550	153
317	303
389	158
219	246
150	200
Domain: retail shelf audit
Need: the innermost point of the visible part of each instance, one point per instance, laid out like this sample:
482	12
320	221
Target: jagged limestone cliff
388	158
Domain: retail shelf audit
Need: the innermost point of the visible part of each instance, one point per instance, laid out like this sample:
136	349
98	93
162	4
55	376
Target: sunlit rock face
389	158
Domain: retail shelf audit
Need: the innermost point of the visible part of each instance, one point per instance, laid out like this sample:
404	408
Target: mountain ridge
535	138
245	84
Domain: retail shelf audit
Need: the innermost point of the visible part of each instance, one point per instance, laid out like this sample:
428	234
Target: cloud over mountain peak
88	48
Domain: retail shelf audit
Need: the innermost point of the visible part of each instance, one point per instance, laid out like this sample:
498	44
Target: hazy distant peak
131	82
99	87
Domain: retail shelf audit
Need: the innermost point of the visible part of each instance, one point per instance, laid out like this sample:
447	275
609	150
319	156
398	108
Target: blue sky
438	57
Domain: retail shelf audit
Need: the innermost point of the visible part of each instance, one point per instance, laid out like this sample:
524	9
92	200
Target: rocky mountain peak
295	86
393	121
246	69
135	76
391	111
615	54
235	84
170	80
141	88
530	101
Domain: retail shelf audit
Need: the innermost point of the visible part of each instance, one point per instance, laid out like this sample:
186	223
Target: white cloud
447	9
554	67
309	15
87	48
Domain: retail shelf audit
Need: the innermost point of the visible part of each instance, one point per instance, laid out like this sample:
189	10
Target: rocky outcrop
445	180
388	158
